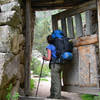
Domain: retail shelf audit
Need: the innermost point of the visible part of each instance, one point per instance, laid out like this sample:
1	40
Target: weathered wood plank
77	9
50	7
27	47
92	39
70	27
54	23
88	22
63	24
87	66
78	21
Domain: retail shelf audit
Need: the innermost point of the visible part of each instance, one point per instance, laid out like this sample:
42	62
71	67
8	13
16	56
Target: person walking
55	91
59	51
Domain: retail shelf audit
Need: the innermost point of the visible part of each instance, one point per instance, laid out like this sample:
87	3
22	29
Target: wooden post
63	24
78	20
70	27
54	23
88	22
27	47
98	9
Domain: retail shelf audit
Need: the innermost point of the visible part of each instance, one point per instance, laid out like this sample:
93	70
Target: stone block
21	73
4	57
11	71
11	18
10	6
2	60
16	42
6	34
22	57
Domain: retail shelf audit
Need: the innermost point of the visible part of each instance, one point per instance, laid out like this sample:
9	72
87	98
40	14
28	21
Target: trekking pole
39	78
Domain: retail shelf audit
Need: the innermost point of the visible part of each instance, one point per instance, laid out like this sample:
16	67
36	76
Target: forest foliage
43	27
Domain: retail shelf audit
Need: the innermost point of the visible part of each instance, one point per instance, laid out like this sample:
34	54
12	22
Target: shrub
32	84
36	67
8	96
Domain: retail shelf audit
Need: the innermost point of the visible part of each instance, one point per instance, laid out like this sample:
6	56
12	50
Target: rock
5	17
10	18
6	33
21	39
4	57
10	6
2	61
11	47
22	73
10	72
22	57
15	44
17	40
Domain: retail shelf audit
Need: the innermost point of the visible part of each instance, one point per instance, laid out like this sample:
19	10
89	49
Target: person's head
50	40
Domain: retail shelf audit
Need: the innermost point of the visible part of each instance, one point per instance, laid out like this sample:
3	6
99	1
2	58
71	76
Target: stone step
37	98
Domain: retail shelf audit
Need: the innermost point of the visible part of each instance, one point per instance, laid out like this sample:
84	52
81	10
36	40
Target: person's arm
48	58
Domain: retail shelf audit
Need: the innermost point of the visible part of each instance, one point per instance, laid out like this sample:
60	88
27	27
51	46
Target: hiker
55	64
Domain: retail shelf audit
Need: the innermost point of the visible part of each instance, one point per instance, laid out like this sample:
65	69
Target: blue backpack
64	48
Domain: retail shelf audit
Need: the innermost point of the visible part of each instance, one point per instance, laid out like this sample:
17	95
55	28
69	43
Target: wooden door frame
28	35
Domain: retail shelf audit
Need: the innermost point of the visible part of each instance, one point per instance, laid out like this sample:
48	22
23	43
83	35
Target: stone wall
11	46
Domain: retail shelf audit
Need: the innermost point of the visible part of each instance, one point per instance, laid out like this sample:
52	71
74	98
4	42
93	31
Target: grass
87	97
43	79
90	97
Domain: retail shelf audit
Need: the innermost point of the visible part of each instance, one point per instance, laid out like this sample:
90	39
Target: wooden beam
56	2
79	29
51	6
77	9
46	8
27	47
42	2
86	40
70	27
63	24
98	10
88	22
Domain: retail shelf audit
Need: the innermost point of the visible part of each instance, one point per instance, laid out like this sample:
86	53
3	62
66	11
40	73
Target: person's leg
55	81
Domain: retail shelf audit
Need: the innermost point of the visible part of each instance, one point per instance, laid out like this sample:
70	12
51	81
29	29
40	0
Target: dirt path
44	91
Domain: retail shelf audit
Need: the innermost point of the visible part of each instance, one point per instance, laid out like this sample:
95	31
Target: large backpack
63	46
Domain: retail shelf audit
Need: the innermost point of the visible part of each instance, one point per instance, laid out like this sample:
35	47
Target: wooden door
80	24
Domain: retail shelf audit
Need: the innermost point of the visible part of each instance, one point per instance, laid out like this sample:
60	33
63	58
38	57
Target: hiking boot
50	97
